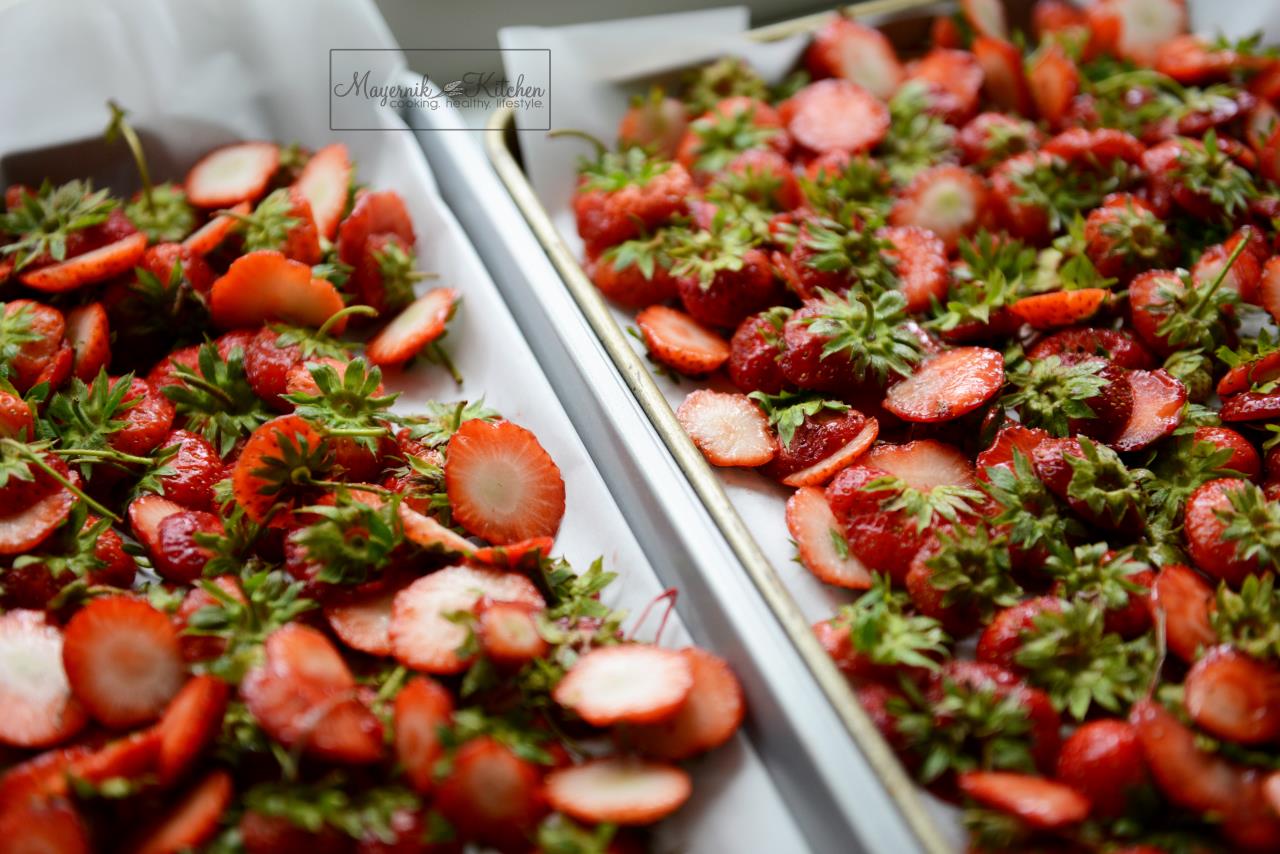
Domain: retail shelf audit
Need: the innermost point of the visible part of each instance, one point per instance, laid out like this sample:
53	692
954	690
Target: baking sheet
197	73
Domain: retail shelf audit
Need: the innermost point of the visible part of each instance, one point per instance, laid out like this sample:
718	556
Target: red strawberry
421	323
1182	601
194	469
304	697
949	200
145	513
1011	437
1102	760
1146	304
728	428
1203	531
1124	236
267	443
630	683
1037	801
956	78
733	294
921	264
39	708
191	821
45	326
618	790
490	795
177	555
844	48
266	286
89	334
1158	401
123	660
30	511
89	268
772	174
502	484
1143	25
678	341
1003	77
271	834
835	115
426	532
1116	346
754	351
267	364
232	174
1250	406
374	213
1054	81
422	708
40	826
709	717
655	123
362	618
1233	696
324	183
1053	467
628	285
1244	457
515	557
979	676
1245	275
198	647
1095	148
130	757
146	423
422	635
820	541
821	436
508	632
210	235
1060	308
1269	283
803	362
1002	638
190	724
948	386
16	420
988	138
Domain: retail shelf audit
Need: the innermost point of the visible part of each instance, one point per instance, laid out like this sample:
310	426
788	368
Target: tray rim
498	136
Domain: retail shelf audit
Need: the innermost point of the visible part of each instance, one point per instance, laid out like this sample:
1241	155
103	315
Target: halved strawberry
490	795
1003	77
123	660
656	123
986	17
921	264
266	286
1010	438
508	632
676	340
39	709
145	513
1054	81
948	386
629	683
422	322
832	115
189	725
949	200
517	556
422	635
40	826
232	174
1060	308
209	236
191	821
1116	346
32	510
820	540
1158	401
44	327
16	420
88	268
422	709
955	80
324	183
304	697
1233	696
362	618
146	422
709	717
618	790
1188	776
89	334
425	531
1143	25
844	48
1250	406
1244	457
1257	372
728	428
178	555
1183	601
822	470
1038	801
1102	760
285	436
374	213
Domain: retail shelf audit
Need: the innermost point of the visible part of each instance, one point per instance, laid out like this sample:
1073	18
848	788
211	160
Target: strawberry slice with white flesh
39	709
265	286
209	236
324	183
820	541
618	790
923	464
948	386
676	340
423	530
145	513
90	268
362	620
728	428
89	332
422	635
629	683
232	174
845	48
1038	801
707	719
1145	25
422	322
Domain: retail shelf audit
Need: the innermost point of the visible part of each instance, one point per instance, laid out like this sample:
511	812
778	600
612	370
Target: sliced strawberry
44	326
921	264
33	510
1114	345
38	826
1258	372
422	322
1102	760
1010	438
491	795
232	174
728	428
422	709
822	470
145	513
179	556
517	556
1250	406
362	618
1003	77
844	48
1145	25
835	115
1039	802
657	123
191	821
304	697
709	717
820	541
266	286
422	635
1203	529
146	422
1060	308
1188	776
1054	81
192	470
948	386
986	17
1158	401
502	484
956	81
209	236
39	709
508	632
425	531
618	790
190	724
89	334
324	183
123	660
1269	284
923	464
948	200
374	213
681	343
251	490
629	683
1182	601
1233	696
88	268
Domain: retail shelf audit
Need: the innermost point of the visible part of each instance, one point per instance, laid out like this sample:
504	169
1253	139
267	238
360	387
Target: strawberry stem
103	454
439	354
1218	279
601	148
349	311
38	461
120	127
192	379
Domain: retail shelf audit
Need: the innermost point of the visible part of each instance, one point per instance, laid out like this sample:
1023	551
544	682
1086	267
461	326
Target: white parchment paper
197	73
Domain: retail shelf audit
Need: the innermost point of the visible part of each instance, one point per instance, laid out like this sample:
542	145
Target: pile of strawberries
1006	317
247	607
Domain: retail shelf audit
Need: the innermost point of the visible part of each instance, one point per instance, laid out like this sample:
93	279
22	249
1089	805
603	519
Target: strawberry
362	618
122	659
948	386
1116	346
89	334
147	421
31	510
1269	284
831	115
1003	77
1208	178
189	726
987	18
269	834
1244	276
426	532
728	428
849	50
515	557
286	444
956	77
204	647
129	758
630	683
1054	80
490	795
625	196
39	826
232	174
178	556
676	340
816	446
266	286
655	123
1144	25
618	790
842	345
422	708
88	268
39	708
422	635
1104	496
190	822
16	420
1060	308
502	484
1233	696
633	275
754	351
763	177
36	330
193	470
1011	437
415	328
385	276
508	632
145	513
1158	401
707	719
989	138
1037	801
820	541
1182	601
1244	457
1124	236
1250	406
1103	761
1210	514
1049	17
210	235
921	264
949	200
324	183
303	696
1002	638
268	359
728	296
